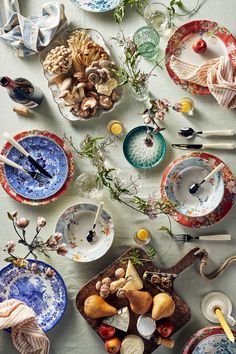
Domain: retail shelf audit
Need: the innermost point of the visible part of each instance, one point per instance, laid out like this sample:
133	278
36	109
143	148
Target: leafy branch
119	12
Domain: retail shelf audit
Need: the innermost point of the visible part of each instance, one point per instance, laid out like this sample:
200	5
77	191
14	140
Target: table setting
117	177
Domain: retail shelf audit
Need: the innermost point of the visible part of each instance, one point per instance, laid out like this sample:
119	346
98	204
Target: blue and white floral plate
182	176
49	155
138	154
96	5
209	340
74	224
46	296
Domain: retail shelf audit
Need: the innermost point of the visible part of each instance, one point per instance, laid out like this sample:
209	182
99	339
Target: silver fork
187	238
35	175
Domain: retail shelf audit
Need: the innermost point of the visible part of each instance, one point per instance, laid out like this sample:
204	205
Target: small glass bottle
22	91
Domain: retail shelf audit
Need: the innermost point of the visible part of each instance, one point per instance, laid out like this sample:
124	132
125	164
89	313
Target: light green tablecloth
72	335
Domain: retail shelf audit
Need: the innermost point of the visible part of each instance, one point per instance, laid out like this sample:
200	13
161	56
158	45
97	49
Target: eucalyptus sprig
123	191
119	12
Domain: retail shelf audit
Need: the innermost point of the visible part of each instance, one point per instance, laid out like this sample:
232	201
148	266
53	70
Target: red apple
199	46
165	329
113	345
106	331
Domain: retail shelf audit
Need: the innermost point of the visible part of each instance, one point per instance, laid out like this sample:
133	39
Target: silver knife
221	146
14	143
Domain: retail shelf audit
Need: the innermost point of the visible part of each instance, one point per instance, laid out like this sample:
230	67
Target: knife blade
14	143
223	146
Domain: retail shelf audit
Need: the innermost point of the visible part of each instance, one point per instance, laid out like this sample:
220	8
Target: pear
140	301
96	307
163	306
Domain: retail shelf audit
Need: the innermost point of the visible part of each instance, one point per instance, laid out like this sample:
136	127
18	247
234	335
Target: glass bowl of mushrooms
81	75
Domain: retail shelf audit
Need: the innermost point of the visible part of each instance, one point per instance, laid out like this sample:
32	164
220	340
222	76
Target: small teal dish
96	5
138	154
47	296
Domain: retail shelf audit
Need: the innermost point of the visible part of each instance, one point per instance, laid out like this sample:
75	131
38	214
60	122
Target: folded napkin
27	336
30	35
216	74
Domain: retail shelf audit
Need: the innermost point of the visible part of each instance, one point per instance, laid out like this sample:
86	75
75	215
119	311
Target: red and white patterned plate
223	208
59	193
219	42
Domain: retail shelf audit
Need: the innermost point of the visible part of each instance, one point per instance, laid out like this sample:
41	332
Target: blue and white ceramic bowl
49	155
96	5
182	176
138	154
216	344
46	296
74	224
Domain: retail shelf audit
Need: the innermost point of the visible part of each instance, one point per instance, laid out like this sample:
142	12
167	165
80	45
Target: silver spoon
92	233
189	133
194	187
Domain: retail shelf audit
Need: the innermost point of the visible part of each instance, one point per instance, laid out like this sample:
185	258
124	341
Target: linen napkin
30	35
27	336
216	74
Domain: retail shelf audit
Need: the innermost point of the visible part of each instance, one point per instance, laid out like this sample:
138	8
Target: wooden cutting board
182	312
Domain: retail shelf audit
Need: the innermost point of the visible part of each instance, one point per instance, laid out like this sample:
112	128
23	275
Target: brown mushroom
80	76
105	102
89	86
115	96
88	103
92	94
94	78
93	111
80	87
83	113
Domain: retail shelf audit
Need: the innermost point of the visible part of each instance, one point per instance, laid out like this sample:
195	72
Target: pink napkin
216	74
27	336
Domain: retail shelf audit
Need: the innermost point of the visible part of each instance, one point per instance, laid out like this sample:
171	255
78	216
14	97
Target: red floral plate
219	41
194	344
57	140
223	208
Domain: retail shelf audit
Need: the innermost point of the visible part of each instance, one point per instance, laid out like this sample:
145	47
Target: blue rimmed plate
96	5
74	224
46	296
182	176
138	154
49	155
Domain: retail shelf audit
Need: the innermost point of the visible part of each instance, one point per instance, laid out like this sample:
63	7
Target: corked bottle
22	91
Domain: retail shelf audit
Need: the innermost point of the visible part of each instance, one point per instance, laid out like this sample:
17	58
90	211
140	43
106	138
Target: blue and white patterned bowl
49	155
74	224
96	5
182	176
138	154
46	296
216	344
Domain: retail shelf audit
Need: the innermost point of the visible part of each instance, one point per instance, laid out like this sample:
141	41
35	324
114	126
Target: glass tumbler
147	41
156	15
87	185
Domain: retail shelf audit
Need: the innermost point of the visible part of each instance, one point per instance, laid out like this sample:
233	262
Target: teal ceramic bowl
138	154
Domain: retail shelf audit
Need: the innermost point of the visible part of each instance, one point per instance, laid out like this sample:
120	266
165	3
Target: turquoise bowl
138	154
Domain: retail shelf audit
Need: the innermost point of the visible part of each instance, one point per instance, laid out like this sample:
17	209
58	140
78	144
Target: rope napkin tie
216	74
30	35
27	335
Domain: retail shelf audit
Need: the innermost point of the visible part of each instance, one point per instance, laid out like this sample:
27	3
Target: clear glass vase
140	93
156	15
87	185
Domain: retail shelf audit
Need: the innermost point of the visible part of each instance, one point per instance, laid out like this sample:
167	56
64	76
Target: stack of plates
51	153
214	199
219	42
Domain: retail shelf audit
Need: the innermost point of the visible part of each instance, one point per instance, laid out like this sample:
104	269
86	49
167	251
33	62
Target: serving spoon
195	186
189	133
92	233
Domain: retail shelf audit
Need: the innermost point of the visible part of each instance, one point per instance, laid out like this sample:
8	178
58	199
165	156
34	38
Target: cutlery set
40	176
189	133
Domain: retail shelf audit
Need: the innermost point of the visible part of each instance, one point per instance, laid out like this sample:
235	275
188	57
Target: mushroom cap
105	102
88	102
81	84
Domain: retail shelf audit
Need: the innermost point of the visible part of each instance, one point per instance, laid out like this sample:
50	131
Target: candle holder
215	300
186	106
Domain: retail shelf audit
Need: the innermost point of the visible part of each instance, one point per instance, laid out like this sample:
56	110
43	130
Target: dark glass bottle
22	91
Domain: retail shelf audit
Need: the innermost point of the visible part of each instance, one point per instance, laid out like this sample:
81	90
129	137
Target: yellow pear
163	306
96	307
140	301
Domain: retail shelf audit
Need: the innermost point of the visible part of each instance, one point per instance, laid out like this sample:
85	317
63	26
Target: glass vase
156	15
140	93
87	185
